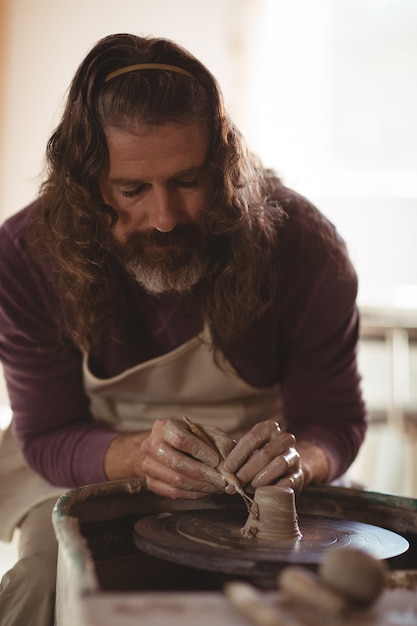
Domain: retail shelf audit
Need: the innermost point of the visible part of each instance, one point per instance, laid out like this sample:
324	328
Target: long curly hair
72	226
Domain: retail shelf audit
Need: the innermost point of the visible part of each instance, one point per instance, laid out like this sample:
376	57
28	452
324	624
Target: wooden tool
230	478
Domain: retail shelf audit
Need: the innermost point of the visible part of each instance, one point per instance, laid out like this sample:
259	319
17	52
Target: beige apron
185	381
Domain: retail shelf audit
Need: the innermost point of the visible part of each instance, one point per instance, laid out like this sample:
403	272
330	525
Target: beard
162	262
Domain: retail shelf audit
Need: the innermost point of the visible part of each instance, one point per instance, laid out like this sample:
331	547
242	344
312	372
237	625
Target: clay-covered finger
165	490
222	440
280	466
178	436
182	472
256	438
294	481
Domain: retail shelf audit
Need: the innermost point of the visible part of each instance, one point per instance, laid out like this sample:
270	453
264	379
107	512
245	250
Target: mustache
181	240
181	234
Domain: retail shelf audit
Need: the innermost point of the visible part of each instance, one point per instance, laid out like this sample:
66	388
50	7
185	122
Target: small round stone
353	573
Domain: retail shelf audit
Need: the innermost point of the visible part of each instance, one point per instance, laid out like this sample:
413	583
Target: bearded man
162	272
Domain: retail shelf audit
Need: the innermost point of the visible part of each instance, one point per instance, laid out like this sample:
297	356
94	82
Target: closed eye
131	193
187	183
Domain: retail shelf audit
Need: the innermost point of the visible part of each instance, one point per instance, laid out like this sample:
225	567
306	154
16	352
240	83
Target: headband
148	66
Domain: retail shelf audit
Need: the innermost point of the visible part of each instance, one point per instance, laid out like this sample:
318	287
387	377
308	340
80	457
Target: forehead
155	151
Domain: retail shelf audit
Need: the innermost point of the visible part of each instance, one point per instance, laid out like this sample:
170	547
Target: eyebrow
121	181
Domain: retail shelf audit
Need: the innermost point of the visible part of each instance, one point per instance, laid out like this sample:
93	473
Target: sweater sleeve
322	397
55	431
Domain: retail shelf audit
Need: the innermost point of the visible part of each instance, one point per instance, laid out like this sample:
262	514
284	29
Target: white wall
337	119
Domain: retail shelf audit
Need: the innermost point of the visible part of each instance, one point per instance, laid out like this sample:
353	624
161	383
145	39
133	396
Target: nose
163	212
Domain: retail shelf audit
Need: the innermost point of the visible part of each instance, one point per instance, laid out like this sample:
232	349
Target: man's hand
266	456
177	464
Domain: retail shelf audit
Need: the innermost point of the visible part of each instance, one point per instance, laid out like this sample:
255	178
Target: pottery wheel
211	540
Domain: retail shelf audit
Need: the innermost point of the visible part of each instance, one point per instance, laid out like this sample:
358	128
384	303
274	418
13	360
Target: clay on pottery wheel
277	519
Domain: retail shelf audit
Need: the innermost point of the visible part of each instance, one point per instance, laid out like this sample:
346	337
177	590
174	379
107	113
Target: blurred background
325	91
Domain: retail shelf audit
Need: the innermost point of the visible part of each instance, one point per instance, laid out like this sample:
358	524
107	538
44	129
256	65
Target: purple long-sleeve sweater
307	341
